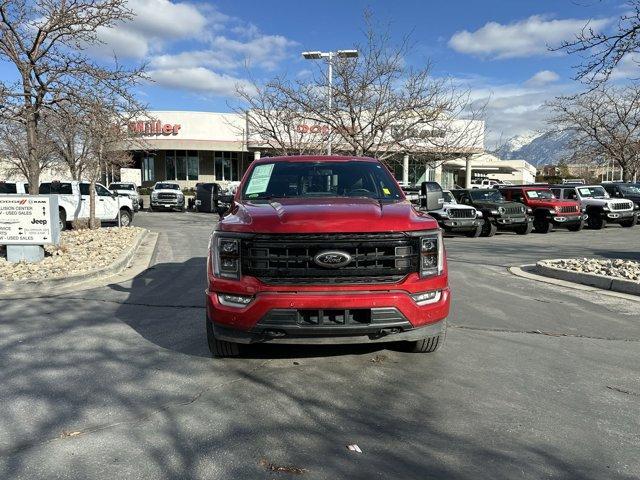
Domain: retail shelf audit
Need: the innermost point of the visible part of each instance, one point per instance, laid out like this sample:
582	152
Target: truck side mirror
432	197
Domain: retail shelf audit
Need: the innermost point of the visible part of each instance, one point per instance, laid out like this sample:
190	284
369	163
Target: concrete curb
527	272
591	279
35	286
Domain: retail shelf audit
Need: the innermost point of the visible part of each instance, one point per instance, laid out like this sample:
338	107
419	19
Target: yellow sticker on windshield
386	191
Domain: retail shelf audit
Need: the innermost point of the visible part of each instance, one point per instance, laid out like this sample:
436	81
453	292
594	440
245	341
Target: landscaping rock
79	251
617	268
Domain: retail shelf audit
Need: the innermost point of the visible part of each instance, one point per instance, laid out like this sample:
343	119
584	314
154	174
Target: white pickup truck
17	188
73	203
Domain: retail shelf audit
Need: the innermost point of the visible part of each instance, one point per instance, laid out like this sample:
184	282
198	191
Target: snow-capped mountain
537	148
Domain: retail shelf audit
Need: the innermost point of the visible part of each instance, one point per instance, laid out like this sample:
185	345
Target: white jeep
596	202
73	202
456	217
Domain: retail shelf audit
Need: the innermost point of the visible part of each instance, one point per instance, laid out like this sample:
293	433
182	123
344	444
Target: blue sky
198	51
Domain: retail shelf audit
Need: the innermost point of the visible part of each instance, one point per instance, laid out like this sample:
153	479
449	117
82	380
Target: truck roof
315	158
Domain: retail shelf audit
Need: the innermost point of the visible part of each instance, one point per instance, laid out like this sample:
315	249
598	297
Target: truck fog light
234	300
424	298
229	264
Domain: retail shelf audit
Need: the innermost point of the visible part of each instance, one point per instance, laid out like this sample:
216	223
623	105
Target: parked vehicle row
524	208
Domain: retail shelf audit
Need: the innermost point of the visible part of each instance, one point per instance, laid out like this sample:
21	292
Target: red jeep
325	250
548	211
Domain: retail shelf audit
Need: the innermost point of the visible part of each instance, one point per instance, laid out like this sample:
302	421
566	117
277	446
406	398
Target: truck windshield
592	192
630	189
486	196
448	197
167	186
121	186
540	194
320	179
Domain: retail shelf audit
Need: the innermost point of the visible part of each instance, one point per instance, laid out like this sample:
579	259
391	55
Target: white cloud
543	77
523	38
198	79
155	23
513	109
265	51
628	68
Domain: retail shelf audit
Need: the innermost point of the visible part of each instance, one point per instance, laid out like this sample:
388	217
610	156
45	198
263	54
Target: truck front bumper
346	317
615	217
166	203
460	224
513	222
567	220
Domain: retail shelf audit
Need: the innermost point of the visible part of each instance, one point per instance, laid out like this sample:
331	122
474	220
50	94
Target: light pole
329	56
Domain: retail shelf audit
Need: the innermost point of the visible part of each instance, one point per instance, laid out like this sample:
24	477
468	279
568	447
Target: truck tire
525	229
474	233
629	223
220	348
429	344
489	229
577	227
596	222
542	225
125	217
62	216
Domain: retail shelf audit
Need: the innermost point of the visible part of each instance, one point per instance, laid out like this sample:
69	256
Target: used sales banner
27	220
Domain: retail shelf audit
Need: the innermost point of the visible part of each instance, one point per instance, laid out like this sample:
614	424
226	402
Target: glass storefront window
181	165
193	166
226	165
148	169
170	164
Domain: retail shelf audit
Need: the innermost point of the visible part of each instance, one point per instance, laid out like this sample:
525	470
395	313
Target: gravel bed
79	251
626	269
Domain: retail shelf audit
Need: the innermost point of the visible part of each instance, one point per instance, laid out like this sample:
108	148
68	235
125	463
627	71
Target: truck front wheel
489	229
62	219
525	229
125	218
220	348
629	223
474	233
542	225
596	222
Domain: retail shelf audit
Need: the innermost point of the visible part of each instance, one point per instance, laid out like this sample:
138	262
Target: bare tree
605	123
45	41
602	52
380	107
16	157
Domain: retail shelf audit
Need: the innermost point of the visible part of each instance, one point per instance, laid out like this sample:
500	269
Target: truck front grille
289	259
515	210
569	209
462	213
621	206
167	196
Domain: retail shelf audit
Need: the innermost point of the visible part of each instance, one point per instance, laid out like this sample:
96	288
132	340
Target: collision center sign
26	220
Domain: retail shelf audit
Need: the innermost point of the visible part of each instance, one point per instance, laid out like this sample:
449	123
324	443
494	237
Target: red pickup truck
325	250
548	211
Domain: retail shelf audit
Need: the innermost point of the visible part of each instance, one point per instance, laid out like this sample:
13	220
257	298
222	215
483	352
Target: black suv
498	213
209	198
630	191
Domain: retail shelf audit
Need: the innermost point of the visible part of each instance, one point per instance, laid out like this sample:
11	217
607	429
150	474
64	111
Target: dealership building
192	147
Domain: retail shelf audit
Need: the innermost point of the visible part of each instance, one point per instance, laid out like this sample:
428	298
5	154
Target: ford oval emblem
332	259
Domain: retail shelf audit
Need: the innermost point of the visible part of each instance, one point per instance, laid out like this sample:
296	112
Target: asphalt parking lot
535	380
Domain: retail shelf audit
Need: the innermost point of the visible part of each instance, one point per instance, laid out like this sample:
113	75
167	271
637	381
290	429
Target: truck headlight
431	254
425	298
494	212
606	207
225	256
478	214
154	194
529	210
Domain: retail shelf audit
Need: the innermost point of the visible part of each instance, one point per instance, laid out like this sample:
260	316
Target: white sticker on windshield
260	179
532	194
584	191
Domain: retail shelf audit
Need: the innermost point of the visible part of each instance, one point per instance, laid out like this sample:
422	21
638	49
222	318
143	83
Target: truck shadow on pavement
165	305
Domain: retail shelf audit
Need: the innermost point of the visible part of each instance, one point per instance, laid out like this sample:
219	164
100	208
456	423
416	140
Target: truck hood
167	190
496	205
553	203
325	215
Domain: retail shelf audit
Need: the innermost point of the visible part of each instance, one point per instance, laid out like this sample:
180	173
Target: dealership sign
155	127
28	220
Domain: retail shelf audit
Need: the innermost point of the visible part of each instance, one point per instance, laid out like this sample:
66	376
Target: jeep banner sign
28	220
